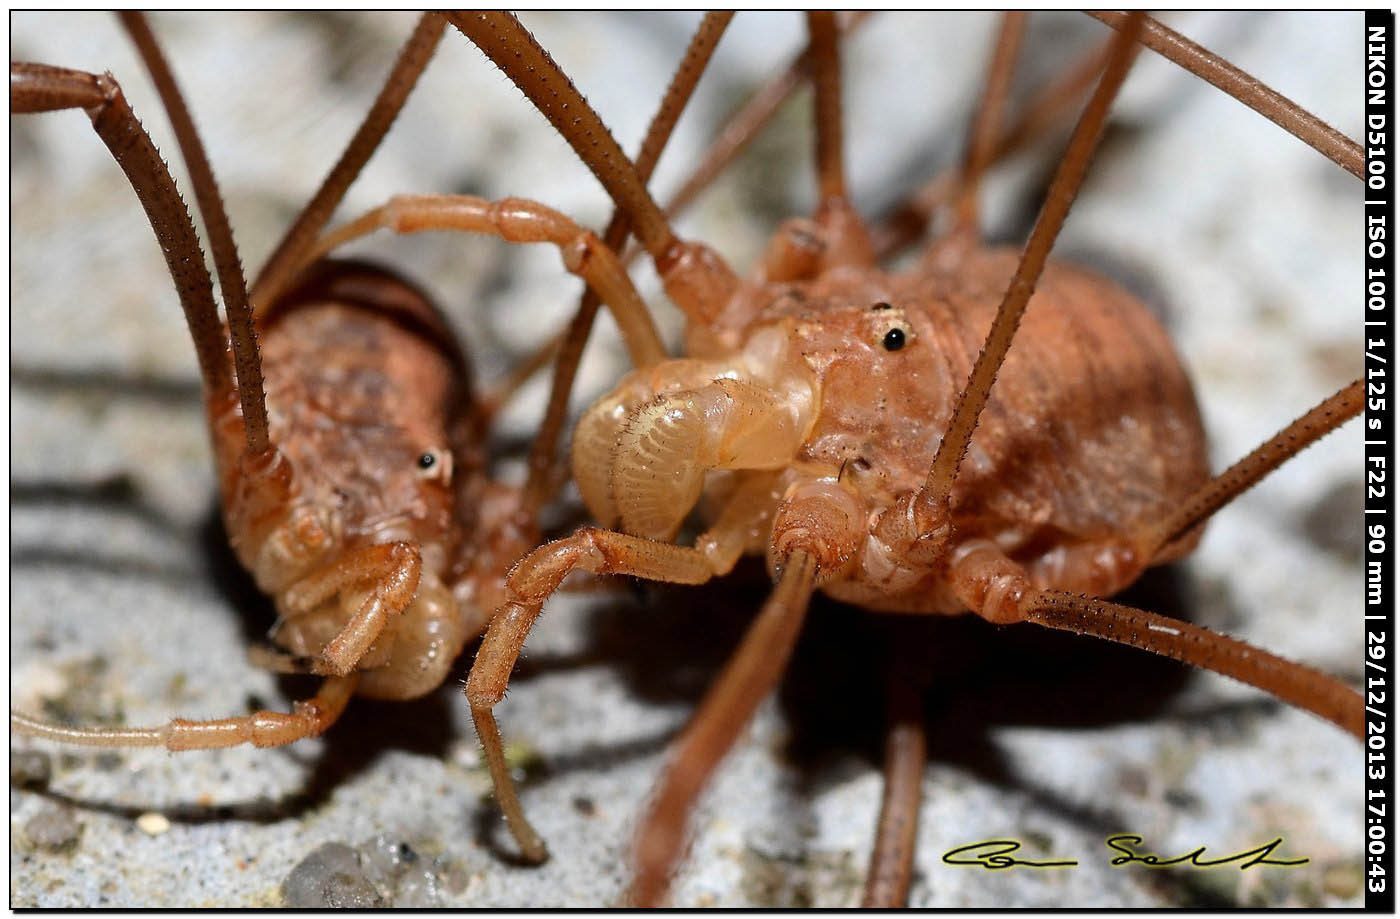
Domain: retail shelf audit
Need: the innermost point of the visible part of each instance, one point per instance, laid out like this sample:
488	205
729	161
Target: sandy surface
126	606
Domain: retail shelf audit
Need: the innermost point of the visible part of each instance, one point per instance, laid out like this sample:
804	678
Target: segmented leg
1286	680
1156	540
533	579
412	61
41	88
996	588
390	571
986	124
514	50
517	220
211	207
673	102
1274	106
747	679
696	278
746	122
1066	184
846	241
261	728
825	56
908	222
539	574
892	858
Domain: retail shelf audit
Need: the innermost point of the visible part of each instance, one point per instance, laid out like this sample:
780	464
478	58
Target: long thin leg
539	574
1287	680
746	122
247	362
910	221
545	447
747	679
924	512
533	579
261	728
986	124
1322	419
1047	226
288	254
996	588
847	242
696	278
517	220
41	88
826	74
906	752
1220	73
506	42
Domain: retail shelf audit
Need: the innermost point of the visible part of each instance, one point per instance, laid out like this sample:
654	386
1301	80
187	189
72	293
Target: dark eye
435	464
893	340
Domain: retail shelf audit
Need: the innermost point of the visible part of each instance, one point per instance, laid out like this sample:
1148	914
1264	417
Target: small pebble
30	769
454	874
330	877
381	860
54	828
419	888
153	824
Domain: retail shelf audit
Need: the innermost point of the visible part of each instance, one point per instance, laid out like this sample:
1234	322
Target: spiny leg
289	253
747	679
265	475
247	363
42	88
537	575
1155	541
261	728
998	589
503	39
1274	106
530	582
1047	226
1289	681
924	512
